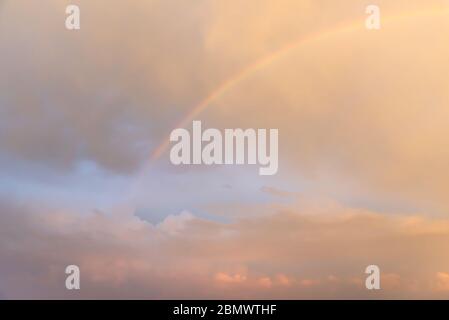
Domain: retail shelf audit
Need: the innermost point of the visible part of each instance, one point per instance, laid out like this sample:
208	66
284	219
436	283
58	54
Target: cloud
225	278
442	281
107	93
356	108
283	280
173	224
290	254
278	193
363	128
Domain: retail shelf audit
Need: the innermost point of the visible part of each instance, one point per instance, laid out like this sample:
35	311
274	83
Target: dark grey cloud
107	93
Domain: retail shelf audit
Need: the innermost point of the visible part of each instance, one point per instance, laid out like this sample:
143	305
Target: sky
86	177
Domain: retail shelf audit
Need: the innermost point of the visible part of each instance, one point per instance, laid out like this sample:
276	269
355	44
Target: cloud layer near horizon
296	251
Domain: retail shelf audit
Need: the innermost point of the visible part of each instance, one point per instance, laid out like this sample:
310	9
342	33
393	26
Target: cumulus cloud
175	223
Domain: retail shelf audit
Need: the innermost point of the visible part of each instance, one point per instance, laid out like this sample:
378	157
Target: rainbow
239	77
262	63
265	61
